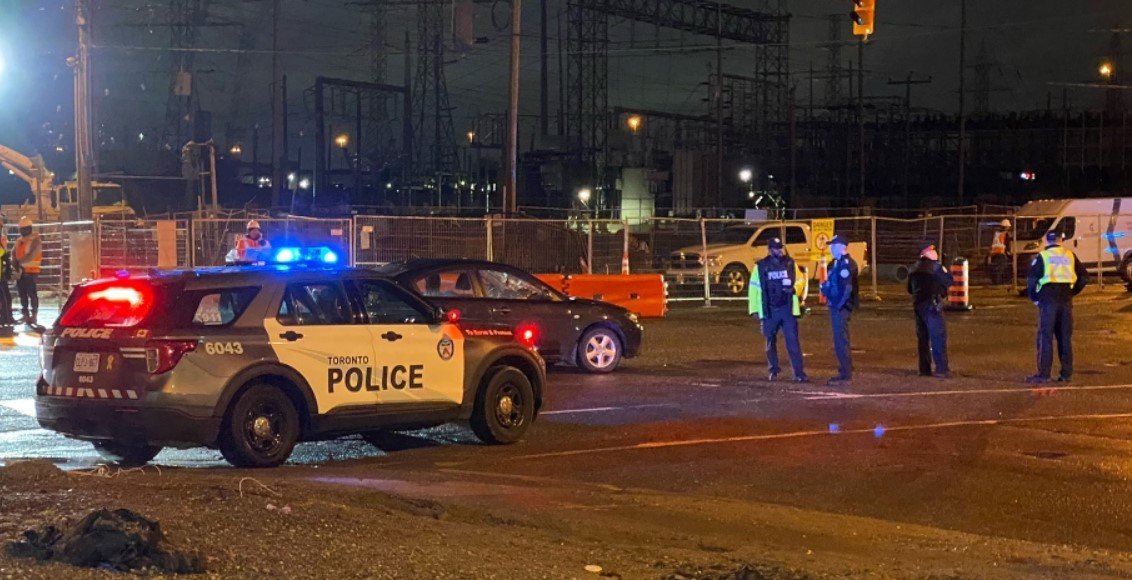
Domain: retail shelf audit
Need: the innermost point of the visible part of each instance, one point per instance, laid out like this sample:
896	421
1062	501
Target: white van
1097	230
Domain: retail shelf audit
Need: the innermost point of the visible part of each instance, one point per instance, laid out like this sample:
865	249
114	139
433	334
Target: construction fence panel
63	244
381	239
212	238
554	246
138	245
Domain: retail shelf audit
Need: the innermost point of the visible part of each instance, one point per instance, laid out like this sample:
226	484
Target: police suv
253	359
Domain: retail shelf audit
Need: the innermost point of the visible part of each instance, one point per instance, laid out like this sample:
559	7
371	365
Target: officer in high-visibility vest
998	261
928	284
1056	276
774	297
27	259
842	295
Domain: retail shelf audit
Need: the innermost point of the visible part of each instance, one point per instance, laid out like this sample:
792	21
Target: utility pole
861	118
278	108
719	107
511	160
908	82
84	145
962	99
544	73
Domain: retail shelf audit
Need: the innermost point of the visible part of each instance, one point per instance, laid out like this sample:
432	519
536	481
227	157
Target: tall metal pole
319	142
719	106
84	155
962	100
861	119
512	158
278	112
544	73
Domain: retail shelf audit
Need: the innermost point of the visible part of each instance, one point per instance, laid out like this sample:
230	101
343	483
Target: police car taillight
527	334
115	303
162	355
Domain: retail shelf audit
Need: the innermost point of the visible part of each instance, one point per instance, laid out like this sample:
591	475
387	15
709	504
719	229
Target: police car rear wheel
735	279
599	350
261	428
125	455
505	407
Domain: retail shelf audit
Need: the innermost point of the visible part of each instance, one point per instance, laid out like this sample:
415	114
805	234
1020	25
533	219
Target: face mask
25	231
931	255
254	234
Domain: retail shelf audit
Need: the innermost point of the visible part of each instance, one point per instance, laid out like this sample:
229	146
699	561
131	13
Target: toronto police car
253	359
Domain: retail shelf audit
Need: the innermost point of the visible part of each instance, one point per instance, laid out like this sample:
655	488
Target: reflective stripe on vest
998	244
755	293
23	245
1057	267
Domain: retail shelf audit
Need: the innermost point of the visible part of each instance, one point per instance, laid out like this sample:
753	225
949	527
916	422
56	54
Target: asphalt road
706	447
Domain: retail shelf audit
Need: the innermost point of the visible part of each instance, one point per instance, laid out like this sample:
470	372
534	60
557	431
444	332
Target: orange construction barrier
822	275
959	295
644	294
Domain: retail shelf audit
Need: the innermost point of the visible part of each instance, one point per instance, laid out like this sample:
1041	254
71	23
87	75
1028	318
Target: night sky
1029	44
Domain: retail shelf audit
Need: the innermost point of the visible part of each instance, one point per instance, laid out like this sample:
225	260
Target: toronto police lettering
355	373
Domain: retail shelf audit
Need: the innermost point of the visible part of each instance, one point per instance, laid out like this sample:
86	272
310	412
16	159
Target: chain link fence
137	245
213	238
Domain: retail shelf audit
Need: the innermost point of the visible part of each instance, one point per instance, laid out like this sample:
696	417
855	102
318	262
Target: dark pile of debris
108	539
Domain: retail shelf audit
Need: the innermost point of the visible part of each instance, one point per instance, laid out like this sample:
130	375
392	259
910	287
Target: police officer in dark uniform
1056	276
773	297
928	284
840	291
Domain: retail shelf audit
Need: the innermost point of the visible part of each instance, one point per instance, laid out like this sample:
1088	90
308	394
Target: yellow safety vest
755	292
1058	267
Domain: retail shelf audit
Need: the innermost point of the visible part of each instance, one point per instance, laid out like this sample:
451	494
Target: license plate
87	362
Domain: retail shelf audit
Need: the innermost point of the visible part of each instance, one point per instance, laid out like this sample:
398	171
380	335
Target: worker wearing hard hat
998	261
27	260
253	247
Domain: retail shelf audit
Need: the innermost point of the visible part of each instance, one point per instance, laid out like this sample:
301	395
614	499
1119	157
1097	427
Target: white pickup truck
732	252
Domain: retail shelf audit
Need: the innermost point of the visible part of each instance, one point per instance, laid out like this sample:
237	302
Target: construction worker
27	261
774	297
928	284
6	318
998	262
841	293
253	247
1056	276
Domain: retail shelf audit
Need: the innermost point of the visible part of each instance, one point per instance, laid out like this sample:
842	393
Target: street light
471	136
1106	69
634	123
745	175
584	195
236	150
342	140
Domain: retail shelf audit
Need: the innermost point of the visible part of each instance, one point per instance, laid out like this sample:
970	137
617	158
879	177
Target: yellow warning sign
822	231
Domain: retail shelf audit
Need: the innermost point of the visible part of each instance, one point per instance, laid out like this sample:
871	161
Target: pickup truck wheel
505	406
124	455
261	428
734	279
1126	271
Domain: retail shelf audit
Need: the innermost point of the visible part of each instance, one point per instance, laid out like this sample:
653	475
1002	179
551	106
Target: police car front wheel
126	455
261	428
505	407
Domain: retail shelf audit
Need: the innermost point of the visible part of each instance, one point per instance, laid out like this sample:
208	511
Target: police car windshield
1033	228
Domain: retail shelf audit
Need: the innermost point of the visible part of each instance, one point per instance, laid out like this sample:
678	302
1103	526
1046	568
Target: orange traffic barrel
959	295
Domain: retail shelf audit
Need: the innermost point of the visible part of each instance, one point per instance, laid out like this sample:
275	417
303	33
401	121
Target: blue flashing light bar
316	255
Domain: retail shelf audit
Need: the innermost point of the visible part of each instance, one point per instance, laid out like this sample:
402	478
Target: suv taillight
162	355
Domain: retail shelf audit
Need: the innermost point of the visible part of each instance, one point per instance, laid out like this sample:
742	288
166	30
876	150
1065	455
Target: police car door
416	358
316	332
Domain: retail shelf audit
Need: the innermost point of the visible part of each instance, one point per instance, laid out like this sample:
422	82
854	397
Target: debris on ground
119	540
31	471
743	572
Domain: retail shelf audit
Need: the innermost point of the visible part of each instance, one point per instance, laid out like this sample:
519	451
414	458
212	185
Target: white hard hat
252	224
1005	223
25	222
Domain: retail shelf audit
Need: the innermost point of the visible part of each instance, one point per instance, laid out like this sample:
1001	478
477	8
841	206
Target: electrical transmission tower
434	136
185	18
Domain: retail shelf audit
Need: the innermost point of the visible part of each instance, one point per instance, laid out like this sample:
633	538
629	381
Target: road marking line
21	406
817	432
824	395
601	409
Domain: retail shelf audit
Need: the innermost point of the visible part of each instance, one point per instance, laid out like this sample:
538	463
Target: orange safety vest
998	243
23	246
248	250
